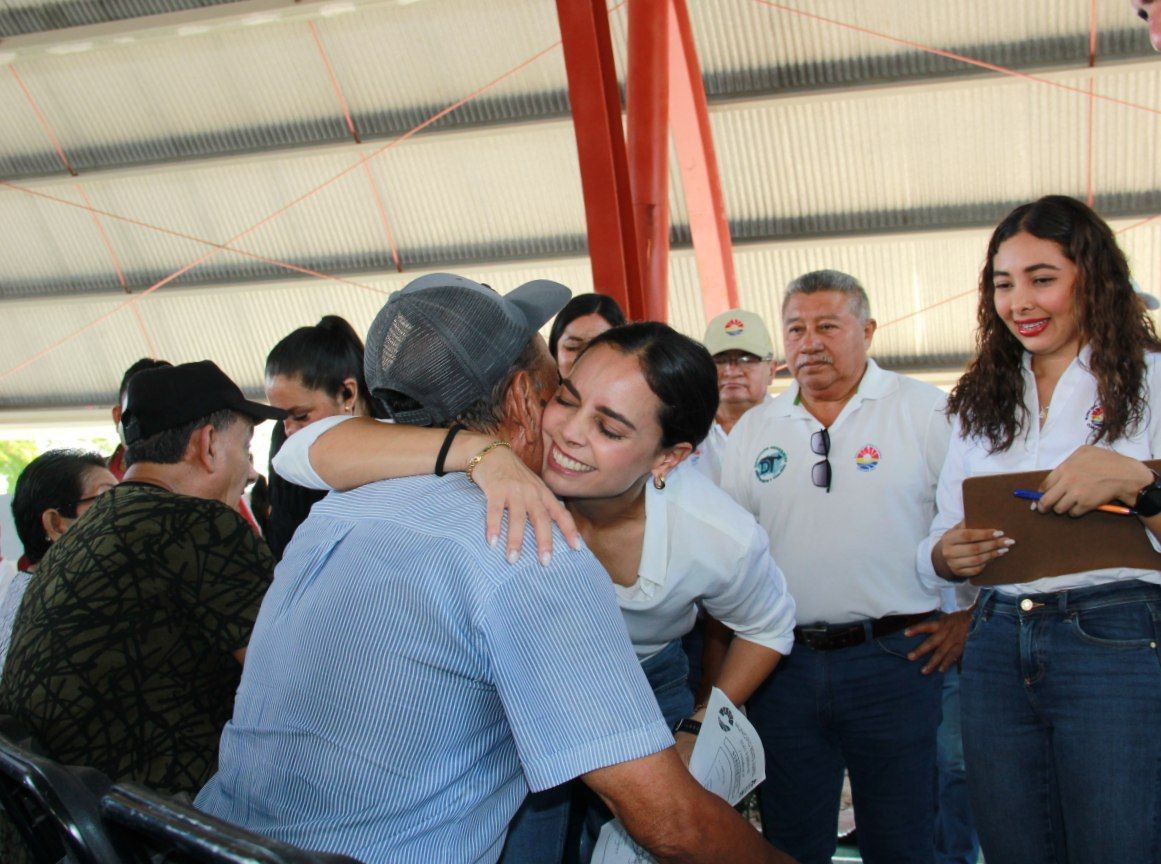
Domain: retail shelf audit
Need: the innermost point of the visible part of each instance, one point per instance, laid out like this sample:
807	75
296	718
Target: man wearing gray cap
405	685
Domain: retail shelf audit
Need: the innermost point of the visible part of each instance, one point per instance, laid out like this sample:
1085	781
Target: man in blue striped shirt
405	685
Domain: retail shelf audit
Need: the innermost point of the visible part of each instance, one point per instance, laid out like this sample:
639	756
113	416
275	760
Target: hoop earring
658	482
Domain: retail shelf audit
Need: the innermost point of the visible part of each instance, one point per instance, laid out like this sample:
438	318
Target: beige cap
738	330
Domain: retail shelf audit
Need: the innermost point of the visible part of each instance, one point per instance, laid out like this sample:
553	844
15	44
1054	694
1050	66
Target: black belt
830	637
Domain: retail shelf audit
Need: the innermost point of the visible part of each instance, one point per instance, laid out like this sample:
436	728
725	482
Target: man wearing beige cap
744	354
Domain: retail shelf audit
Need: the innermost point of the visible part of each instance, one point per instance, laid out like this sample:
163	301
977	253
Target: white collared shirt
848	554
699	546
707	458
1073	416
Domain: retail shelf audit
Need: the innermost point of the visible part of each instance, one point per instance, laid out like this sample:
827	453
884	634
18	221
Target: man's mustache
803	359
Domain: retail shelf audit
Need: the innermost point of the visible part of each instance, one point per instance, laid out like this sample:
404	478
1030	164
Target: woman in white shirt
636	403
1061	685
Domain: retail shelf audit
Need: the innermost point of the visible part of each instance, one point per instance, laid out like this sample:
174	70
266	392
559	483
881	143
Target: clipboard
1048	544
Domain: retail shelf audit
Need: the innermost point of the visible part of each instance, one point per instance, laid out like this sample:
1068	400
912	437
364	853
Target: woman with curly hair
1061	686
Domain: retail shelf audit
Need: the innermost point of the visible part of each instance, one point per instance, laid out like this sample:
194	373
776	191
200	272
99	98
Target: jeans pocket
898	645
1126	626
979	618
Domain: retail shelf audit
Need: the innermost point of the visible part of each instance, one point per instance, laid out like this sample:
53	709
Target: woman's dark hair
323	357
679	371
580	306
1112	320
53	480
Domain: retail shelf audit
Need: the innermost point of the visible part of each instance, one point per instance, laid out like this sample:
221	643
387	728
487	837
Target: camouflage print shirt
122	652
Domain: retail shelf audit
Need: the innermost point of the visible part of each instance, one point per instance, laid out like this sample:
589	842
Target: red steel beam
596	114
693	140
647	98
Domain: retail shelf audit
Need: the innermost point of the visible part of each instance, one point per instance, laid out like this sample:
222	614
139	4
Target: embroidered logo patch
734	327
867	459
770	463
1095	417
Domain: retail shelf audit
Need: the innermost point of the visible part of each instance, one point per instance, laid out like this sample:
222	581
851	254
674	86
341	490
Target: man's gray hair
831	280
487	413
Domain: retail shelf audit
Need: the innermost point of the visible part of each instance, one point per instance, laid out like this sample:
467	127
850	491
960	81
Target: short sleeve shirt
122	651
406	686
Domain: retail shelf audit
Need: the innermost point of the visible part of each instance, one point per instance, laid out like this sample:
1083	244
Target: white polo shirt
707	458
1073	415
699	547
850	554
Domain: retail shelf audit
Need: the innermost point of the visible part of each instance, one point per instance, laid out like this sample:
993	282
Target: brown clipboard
1048	544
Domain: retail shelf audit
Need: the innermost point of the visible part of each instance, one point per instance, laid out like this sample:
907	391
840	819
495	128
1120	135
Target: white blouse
1073	416
700	546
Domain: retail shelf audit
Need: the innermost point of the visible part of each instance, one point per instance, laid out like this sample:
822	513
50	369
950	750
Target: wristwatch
1149	499
685	724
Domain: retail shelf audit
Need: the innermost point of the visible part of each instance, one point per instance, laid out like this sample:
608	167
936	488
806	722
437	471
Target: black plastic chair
149	827
54	809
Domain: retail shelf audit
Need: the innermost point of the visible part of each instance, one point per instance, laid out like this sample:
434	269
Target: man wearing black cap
126	651
406	685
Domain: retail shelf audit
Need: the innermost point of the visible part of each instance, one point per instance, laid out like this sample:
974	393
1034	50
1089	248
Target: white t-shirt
848	554
1072	417
707	458
699	546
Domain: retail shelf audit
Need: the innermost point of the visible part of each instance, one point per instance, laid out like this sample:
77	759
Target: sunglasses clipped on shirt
820	472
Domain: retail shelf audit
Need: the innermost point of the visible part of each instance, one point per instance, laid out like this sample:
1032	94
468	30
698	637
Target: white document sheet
727	759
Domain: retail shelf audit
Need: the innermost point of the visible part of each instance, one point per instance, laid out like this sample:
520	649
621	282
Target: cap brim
259	411
539	300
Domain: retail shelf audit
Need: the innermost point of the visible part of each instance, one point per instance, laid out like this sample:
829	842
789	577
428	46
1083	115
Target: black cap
440	344
160	399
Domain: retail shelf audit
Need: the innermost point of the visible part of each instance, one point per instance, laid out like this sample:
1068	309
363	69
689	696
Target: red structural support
693	140
647	103
596	114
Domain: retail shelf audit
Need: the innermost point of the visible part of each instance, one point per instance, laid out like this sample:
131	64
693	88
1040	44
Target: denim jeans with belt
1061	708
867	707
537	833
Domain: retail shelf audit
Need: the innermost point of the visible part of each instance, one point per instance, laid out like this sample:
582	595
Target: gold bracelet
475	461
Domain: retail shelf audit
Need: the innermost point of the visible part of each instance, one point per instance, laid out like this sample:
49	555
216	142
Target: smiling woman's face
601	431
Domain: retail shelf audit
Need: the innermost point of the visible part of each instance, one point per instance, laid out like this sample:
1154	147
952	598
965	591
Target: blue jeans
867	707
1061	712
537	833
955	830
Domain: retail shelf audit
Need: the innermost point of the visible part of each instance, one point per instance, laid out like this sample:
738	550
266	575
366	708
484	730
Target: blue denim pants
537	833
866	707
955	829
1061	707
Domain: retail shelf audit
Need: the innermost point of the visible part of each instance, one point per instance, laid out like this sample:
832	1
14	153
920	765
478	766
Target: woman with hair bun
1061	683
314	372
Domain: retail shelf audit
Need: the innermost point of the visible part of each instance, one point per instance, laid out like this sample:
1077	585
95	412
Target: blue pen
1120	510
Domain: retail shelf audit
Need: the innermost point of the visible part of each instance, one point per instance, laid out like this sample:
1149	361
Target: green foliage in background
14	455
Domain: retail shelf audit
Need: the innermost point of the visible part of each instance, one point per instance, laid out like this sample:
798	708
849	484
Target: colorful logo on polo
867	458
734	327
1095	417
770	463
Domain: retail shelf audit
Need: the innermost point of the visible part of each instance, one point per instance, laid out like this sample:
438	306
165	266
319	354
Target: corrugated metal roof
827	160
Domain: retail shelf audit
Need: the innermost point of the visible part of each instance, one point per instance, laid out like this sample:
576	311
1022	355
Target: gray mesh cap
443	342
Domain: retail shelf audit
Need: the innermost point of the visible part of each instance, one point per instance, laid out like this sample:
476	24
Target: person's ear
523	407
669	459
869	331
349	395
116	412
54	523
203	448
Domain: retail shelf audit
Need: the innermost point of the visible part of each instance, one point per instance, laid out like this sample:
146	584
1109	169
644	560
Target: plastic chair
55	809
150	827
